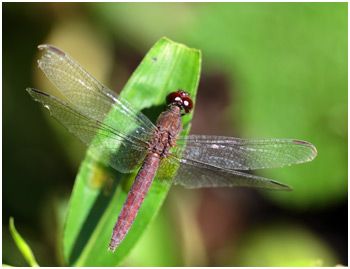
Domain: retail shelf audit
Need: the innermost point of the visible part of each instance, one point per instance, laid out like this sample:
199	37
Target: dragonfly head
180	98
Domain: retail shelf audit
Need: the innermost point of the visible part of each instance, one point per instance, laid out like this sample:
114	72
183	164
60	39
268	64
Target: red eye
187	104
174	97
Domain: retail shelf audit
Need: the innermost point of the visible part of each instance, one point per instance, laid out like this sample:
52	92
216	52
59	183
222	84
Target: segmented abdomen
134	200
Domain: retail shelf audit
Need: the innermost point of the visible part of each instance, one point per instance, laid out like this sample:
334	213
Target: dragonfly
131	141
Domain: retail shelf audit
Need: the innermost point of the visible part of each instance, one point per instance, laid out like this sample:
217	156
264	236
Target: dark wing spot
302	142
52	48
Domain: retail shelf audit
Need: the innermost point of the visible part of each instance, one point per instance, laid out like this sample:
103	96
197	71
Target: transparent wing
212	161
246	154
90	96
193	174
120	150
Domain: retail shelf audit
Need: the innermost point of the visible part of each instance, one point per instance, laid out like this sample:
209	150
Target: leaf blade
92	214
22	245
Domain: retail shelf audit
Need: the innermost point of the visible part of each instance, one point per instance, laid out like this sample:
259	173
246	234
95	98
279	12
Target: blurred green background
270	70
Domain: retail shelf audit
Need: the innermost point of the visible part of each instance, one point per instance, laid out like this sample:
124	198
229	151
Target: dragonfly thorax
169	125
161	143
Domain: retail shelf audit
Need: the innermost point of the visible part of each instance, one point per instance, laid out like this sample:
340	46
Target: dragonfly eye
187	104
181	99
174	98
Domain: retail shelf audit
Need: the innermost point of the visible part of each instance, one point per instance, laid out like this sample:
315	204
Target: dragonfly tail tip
109	248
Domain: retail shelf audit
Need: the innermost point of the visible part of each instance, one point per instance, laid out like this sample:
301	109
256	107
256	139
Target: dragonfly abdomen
134	200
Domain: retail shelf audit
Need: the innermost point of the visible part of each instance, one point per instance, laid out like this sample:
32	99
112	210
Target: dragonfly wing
105	142
167	169
89	95
192	174
246	154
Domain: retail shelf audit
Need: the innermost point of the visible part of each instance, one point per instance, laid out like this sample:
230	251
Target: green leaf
99	191
22	245
282	245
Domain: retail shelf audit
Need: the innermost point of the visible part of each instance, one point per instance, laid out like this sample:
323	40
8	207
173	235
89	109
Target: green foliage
287	69
279	69
159	241
95	205
22	245
281	244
